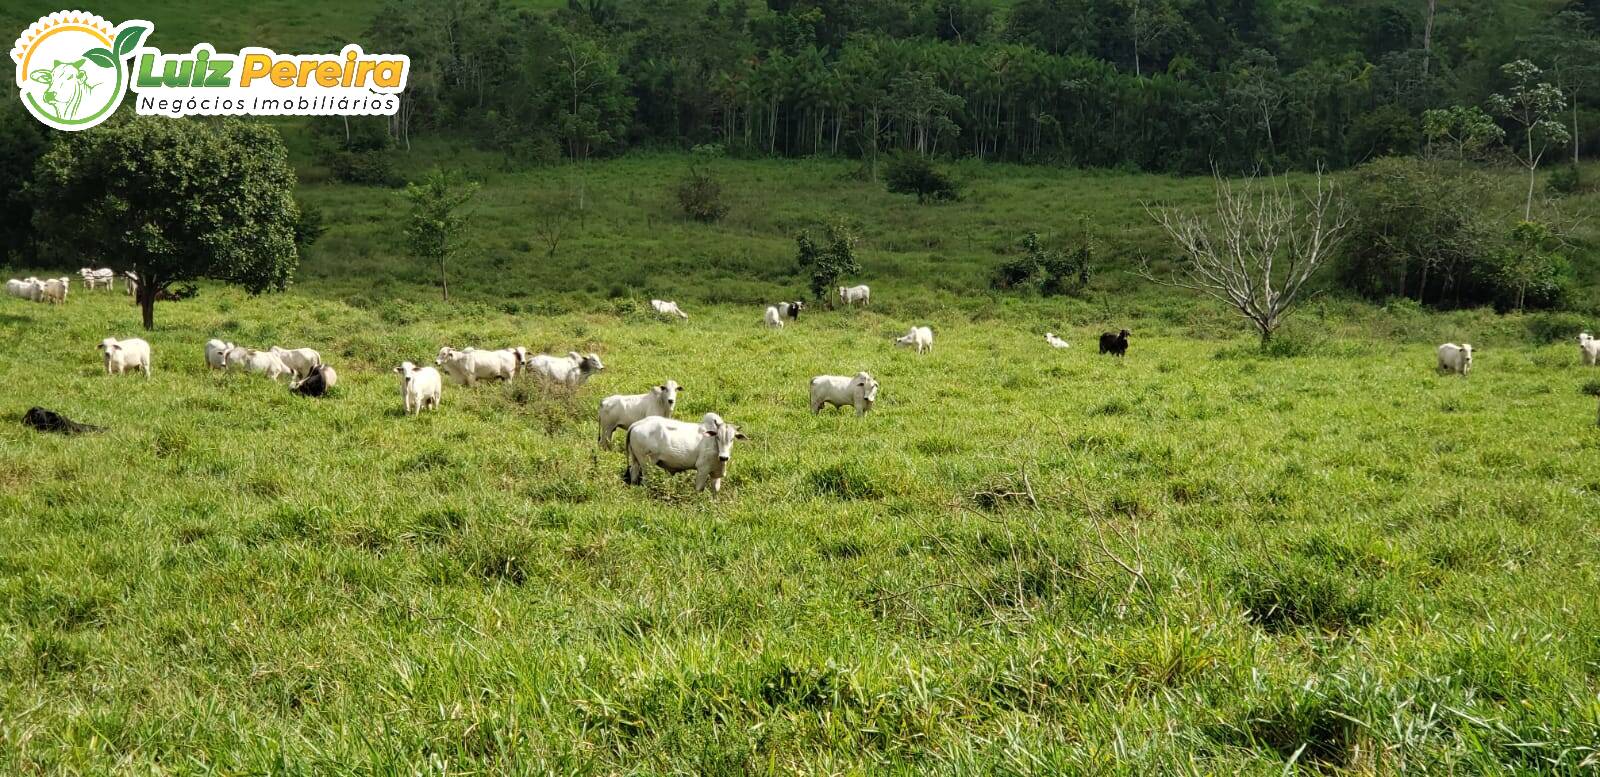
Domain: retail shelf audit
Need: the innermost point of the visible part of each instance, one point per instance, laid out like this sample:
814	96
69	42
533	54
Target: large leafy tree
174	201
22	141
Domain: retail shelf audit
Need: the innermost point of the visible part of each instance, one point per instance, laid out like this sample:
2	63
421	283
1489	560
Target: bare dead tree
1255	254
549	225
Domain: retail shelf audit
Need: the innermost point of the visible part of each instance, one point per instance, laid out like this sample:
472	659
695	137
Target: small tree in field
437	229
1466	131
1256	254
828	260
1535	107
910	174
174	201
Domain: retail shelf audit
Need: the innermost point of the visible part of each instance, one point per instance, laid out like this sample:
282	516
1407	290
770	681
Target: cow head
867	386
445	354
67	84
109	346
668	394
590	364
724	433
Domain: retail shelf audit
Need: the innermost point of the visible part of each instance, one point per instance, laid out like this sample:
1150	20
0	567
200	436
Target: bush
309	227
1555	327
1047	271
700	196
911	174
356	150
1566	180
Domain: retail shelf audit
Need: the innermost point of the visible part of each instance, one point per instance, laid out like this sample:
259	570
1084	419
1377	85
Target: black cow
51	421
791	309
1115	344
316	384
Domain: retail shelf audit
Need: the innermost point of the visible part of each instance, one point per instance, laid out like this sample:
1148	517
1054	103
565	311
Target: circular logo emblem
71	67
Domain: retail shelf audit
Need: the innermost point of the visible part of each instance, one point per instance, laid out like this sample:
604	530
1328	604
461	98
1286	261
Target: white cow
920	338
773	318
122	354
678	446
850	295
1455	358
256	362
859	392
54	290
469	365
93	279
1589	350
217	353
619	411
668	308
301	360
18	288
571	370
420	388
130	281
1055	342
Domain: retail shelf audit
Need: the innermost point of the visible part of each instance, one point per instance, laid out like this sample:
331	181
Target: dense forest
1155	85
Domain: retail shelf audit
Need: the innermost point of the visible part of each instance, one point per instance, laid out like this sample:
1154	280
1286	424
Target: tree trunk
444	282
1574	127
147	302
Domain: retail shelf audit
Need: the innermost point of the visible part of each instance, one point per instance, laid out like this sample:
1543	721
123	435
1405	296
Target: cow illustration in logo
72	67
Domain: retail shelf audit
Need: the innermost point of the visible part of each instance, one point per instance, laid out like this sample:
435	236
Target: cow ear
709	432
77	65
740	436
42	76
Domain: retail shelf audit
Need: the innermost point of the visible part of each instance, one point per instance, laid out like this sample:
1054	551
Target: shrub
356	150
309	227
1555	327
700	196
1047	271
1566	180
828	260
912	174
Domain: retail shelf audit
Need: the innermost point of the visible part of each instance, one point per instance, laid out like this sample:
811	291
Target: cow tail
627	450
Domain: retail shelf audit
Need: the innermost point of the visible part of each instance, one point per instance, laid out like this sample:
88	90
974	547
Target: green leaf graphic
100	57
128	40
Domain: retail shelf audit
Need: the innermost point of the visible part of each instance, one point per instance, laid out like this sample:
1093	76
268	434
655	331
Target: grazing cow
1115	344
467	366
920	338
859	392
130	281
256	362
122	354
668	308
1456	358
23	288
217	353
317	383
790	310
301	360
67	83
772	318
1055	342
572	370
678	446
1589	350
420	388
619	411
850	295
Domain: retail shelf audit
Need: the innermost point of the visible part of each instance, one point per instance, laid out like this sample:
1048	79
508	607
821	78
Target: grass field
1200	559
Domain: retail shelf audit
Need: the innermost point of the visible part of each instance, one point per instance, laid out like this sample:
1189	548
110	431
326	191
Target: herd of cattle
652	437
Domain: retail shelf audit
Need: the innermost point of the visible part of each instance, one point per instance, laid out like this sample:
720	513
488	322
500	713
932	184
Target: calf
678	446
620	411
920	338
122	354
1115	344
859	392
1588	350
317	383
791	310
668	308
1055	342
773	319
1455	359
420	388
